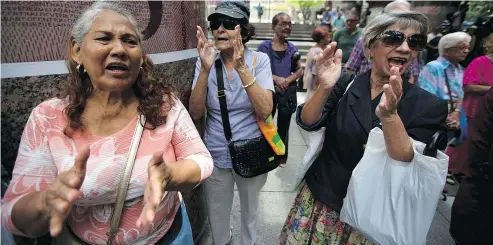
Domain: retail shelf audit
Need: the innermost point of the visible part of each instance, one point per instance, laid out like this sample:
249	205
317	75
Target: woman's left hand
452	121
392	93
159	174
239	50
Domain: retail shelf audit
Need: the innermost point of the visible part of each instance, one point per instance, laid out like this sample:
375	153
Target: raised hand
158	176
329	66
239	50
391	96
207	52
59	198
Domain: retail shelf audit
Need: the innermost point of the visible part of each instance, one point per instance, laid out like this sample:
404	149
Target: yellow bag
269	129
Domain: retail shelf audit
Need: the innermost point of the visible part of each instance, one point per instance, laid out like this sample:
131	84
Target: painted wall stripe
43	68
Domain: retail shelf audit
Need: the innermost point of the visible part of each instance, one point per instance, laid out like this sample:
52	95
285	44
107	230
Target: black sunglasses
227	24
416	42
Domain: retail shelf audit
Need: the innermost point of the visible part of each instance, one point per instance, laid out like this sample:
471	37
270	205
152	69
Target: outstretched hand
239	49
391	96
329	66
59	198
159	175
205	47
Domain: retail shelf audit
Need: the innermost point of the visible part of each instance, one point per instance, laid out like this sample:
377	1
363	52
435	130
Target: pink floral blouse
45	151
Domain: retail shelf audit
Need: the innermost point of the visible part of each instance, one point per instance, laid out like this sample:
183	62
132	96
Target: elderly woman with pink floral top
73	148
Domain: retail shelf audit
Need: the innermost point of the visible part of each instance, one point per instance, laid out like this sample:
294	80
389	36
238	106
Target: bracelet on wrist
250	84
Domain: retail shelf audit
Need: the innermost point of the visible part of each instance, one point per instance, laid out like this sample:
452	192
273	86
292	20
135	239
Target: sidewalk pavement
277	197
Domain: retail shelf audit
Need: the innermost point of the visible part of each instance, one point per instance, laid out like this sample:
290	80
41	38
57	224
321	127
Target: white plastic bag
392	202
315	143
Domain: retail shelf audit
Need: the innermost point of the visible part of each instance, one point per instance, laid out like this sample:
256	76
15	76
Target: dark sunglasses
227	24
416	42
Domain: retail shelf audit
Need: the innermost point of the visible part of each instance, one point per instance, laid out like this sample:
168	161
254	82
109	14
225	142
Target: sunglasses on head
227	24
416	42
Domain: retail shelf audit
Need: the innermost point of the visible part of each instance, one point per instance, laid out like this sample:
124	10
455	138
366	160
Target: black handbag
286	102
250	157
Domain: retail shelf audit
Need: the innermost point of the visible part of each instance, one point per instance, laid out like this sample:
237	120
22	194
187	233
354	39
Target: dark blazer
349	126
472	211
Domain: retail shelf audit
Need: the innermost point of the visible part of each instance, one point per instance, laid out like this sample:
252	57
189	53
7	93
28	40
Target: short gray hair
397	5
404	19
451	40
84	23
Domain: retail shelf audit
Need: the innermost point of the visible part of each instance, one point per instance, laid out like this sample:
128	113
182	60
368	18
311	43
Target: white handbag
392	202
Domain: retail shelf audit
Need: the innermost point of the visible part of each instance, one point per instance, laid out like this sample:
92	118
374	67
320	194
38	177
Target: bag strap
450	101
125	179
254	63
221	94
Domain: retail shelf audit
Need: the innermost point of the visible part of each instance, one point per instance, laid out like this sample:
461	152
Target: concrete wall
34	37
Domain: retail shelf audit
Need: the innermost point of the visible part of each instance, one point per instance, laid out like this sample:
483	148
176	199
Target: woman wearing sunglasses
248	90
379	97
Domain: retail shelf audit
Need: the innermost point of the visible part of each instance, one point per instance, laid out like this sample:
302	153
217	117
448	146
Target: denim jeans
180	232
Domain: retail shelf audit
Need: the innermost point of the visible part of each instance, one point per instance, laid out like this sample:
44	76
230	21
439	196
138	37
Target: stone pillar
37	32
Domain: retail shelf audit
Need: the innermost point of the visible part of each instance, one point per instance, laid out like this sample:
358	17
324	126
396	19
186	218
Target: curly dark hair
247	32
488	45
155	97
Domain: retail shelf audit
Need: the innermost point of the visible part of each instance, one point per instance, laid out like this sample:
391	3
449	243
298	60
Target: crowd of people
106	161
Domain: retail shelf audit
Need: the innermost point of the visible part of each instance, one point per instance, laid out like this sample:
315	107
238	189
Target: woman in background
322	37
478	79
472	210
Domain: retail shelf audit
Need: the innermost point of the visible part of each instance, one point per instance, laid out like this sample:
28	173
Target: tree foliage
305	6
479	9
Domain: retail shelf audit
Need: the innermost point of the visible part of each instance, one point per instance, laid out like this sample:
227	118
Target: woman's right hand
59	198
207	52
329	66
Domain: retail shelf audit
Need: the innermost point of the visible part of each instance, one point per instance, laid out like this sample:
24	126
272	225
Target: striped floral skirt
312	222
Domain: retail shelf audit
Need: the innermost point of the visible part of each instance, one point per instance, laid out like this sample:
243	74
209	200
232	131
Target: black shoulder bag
250	157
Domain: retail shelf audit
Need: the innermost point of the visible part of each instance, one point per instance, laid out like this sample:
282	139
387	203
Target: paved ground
277	197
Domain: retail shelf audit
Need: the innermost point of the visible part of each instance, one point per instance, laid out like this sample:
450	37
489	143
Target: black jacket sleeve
330	104
429	120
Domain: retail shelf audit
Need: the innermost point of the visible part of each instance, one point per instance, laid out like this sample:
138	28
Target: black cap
233	9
